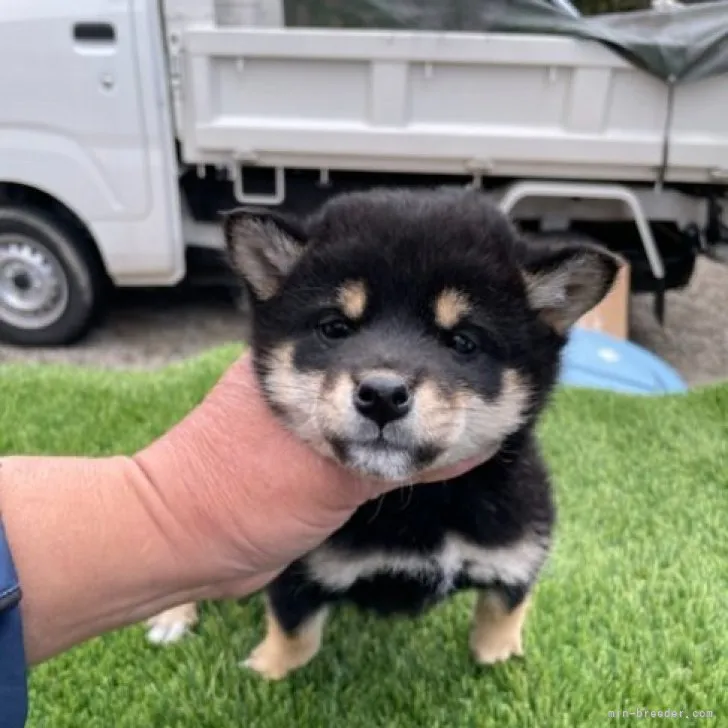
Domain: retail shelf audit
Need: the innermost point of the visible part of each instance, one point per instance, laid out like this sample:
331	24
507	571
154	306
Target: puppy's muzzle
383	398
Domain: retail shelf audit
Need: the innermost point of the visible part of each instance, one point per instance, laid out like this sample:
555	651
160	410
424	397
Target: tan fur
297	394
352	298
472	425
435	415
497	634
463	424
335	405
450	307
501	416
280	653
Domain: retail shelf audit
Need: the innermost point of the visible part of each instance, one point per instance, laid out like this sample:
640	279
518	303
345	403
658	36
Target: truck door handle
94	33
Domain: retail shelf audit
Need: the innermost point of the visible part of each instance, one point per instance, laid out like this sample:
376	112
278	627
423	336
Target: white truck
126	126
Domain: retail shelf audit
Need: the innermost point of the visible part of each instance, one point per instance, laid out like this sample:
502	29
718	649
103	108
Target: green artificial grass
631	613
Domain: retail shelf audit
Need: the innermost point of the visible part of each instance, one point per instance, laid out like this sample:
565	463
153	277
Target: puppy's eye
461	343
333	328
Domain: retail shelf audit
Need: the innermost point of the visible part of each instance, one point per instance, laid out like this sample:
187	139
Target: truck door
76	70
85	117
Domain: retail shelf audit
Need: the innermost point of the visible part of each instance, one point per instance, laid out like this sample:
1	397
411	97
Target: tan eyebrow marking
352	298
451	305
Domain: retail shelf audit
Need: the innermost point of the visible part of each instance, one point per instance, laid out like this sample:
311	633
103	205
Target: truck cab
88	167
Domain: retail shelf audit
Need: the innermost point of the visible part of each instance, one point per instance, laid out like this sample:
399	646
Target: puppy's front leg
295	611
497	630
281	651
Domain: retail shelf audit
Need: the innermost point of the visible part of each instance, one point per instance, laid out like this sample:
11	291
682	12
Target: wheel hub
33	286
22	281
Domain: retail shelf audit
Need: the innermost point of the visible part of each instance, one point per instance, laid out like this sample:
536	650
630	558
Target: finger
452	471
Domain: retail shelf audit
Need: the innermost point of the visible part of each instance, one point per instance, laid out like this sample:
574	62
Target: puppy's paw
496	633
273	659
497	648
268	662
171	626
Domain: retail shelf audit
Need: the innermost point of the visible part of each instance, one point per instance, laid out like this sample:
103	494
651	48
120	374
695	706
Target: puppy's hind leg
173	624
497	630
295	616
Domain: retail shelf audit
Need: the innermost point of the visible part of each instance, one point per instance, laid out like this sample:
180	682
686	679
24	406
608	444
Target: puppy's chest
454	563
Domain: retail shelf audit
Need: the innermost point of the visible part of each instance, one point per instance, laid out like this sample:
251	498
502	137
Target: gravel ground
153	328
695	335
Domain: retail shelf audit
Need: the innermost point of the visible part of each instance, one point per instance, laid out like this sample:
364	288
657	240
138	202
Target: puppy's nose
383	398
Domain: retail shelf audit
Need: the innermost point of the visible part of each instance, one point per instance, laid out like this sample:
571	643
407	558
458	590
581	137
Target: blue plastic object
600	361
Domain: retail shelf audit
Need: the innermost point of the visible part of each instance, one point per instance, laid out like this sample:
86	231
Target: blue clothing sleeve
13	668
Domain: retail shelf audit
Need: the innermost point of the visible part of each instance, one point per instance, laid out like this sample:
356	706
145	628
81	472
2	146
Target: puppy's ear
262	246
565	282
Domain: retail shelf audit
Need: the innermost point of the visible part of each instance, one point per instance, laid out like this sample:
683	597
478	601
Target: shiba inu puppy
397	331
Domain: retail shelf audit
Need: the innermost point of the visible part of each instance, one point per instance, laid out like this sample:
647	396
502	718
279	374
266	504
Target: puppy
398	331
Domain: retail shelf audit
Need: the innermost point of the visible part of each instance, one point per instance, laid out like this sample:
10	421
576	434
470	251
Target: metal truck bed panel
445	102
698	139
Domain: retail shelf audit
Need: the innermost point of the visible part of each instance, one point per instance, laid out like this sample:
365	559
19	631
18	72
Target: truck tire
51	280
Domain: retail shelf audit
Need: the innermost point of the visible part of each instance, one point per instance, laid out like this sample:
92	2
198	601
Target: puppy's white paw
171	626
162	634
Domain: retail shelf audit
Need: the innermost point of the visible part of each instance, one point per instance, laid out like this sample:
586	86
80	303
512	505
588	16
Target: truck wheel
50	280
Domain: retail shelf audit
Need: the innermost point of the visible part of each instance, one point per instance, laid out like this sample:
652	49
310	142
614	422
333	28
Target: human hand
242	496
215	508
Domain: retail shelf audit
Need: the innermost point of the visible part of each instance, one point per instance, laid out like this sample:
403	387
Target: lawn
632	612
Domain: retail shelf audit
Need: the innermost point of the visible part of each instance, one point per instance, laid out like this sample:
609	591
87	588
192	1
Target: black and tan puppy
398	331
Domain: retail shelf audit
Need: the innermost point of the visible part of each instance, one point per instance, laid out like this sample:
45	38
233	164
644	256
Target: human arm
214	508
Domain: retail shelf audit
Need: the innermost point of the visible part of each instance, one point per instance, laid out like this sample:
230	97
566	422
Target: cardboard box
611	316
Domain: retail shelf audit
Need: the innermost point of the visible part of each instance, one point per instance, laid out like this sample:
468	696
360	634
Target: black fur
407	246
491	505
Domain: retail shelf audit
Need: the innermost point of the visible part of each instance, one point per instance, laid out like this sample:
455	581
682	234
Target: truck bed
498	104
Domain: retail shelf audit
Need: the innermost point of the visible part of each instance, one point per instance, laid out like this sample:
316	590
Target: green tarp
680	45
